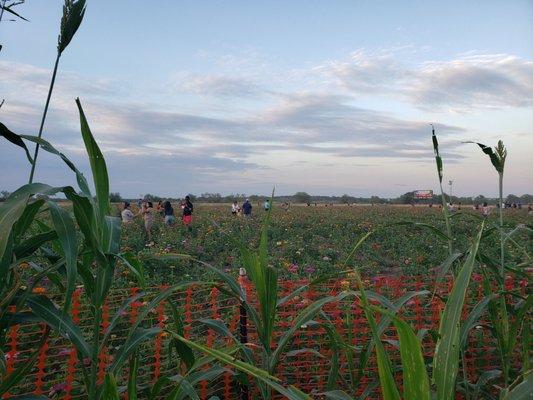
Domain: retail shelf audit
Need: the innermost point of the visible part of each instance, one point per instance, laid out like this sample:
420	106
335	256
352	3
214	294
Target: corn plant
264	280
73	12
93	263
438	162
507	319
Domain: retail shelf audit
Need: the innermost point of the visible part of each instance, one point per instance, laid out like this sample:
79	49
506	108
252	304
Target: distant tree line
303	197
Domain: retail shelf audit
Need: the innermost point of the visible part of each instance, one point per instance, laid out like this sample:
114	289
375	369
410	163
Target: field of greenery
309	242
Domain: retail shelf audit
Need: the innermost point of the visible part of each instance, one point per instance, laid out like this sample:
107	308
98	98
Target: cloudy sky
329	97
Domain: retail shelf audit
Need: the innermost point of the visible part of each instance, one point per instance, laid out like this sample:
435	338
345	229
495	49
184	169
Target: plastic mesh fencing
307	362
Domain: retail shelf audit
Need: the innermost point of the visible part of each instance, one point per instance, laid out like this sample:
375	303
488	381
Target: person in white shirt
235	208
127	214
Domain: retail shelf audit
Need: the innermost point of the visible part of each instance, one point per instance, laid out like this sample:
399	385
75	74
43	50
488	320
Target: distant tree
114	197
526	198
302	197
512	199
192	197
407	198
152	197
345	199
4	194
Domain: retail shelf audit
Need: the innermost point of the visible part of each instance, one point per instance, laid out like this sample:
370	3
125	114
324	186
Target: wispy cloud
467	83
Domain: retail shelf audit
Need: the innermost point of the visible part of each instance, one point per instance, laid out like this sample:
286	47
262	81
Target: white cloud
467	83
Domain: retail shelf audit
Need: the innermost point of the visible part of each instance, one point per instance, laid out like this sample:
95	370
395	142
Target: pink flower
57	389
293	268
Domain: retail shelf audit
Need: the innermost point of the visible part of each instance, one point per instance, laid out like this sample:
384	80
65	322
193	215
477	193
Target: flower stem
51	88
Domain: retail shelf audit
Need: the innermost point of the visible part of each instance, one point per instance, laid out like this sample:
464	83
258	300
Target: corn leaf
110	389
15	139
66	233
291	392
58	320
97	162
446	360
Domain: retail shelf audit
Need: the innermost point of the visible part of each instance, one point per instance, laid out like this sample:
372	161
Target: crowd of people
163	209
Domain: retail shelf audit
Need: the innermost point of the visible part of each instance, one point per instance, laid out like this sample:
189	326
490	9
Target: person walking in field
188	209
169	213
127	214
247	208
147	211
266	205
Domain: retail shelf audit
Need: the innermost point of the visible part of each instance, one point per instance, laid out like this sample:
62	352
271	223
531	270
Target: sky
327	97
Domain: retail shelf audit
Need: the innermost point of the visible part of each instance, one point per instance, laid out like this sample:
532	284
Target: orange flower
39	290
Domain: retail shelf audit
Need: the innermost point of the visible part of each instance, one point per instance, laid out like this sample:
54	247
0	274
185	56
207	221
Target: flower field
308	242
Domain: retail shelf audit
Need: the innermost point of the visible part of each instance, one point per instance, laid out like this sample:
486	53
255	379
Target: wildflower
345	284
58	388
64	352
326	258
309	269
39	290
293	268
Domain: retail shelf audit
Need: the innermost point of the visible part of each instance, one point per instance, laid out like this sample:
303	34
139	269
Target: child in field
147	210
127	214
169	213
485	210
188	209
235	209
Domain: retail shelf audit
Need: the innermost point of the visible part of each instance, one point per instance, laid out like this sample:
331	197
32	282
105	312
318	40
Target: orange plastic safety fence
58	370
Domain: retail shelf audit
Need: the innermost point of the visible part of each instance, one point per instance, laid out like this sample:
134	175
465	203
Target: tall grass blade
446	360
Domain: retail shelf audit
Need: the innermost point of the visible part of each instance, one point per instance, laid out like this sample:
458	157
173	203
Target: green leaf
117	316
473	317
337	395
415	376
66	232
135	267
446	359
291	392
96	159
438	159
388	385
33	243
14	138
131	344
303	317
47	146
73	12
42	307
27	217
523	390
497	158
132	379
110	389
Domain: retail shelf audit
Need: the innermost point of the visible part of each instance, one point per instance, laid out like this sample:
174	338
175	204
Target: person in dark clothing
168	212
188	209
247	208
